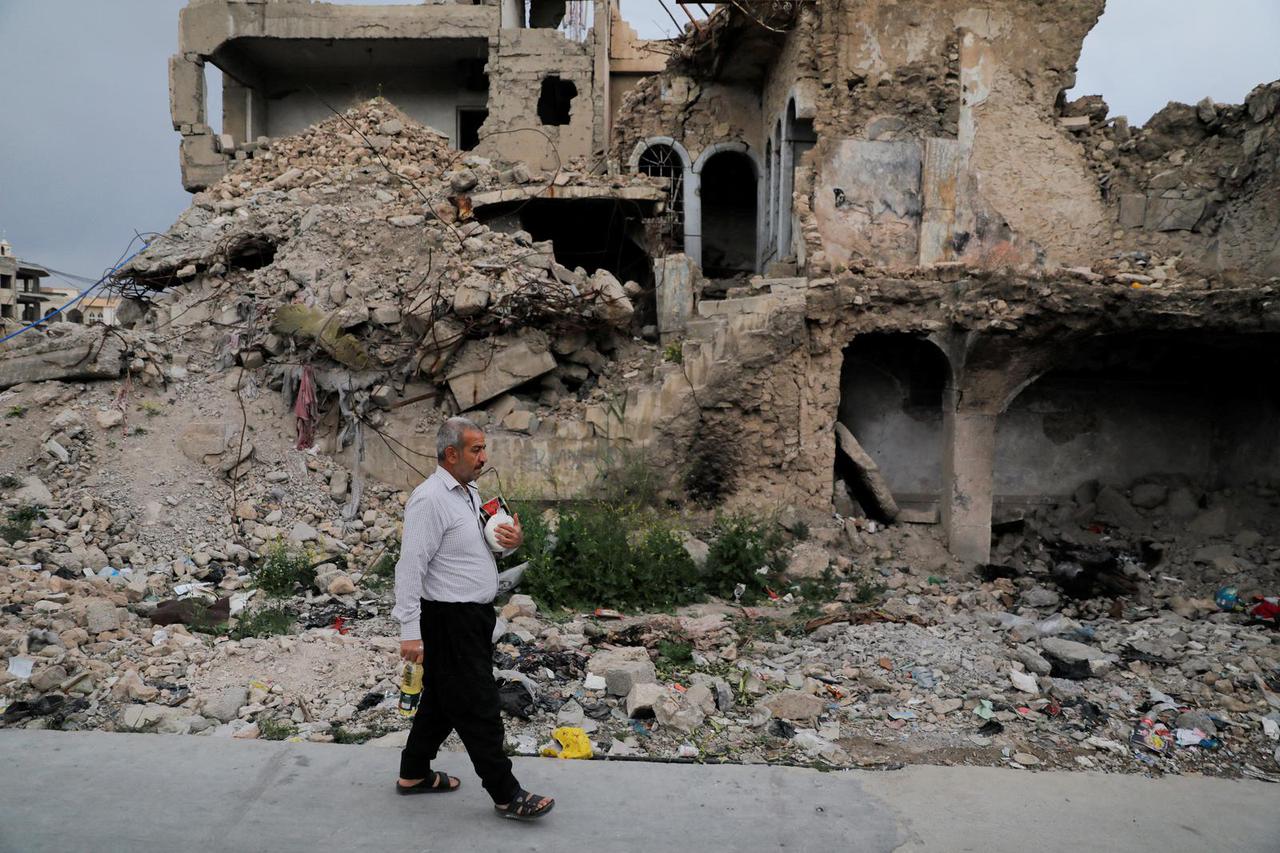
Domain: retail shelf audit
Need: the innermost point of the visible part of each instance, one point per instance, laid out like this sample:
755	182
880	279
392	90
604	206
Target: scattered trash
1227	598
687	750
1024	681
516	697
782	729
1190	737
511	578
1152	735
573	744
606	613
20	666
1267	610
984	709
924	677
990	728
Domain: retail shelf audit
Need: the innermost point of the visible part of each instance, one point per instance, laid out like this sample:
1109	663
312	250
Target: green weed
283	568
382	574
19	522
745	550
603	555
263	622
276	729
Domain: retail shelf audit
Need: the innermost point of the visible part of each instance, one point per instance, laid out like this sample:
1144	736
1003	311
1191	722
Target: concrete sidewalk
94	791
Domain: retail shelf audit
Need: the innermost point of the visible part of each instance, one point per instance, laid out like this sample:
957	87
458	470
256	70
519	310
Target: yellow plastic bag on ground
574	743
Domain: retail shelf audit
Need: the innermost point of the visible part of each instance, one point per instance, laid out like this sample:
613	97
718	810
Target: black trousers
459	693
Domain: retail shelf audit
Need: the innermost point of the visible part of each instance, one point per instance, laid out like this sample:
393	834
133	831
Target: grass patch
276	729
150	408
605	555
15	412
8	481
284	568
629	478
678	654
268	621
629	558
745	550
382	574
674	353
341	734
18	523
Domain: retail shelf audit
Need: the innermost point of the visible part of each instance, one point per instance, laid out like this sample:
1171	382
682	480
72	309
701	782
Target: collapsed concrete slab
868	473
485	369
62	351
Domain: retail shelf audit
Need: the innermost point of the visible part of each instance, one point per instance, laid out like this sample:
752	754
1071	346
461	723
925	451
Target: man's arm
423	530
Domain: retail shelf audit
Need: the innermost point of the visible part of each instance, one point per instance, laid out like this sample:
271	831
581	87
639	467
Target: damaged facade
1001	294
509	79
866	214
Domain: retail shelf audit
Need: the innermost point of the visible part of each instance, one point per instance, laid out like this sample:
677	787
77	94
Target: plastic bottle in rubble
410	689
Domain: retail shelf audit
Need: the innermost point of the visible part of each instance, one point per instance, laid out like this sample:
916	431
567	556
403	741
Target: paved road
94	791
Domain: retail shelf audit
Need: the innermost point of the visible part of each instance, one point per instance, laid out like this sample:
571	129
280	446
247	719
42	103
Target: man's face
469	460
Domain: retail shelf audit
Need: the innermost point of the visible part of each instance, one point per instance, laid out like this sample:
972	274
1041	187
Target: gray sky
88	156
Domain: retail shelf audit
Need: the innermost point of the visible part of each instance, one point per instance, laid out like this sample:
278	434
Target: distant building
59	295
96	309
21	298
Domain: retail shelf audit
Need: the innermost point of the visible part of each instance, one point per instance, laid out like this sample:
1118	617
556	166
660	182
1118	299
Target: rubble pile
353	245
1092	640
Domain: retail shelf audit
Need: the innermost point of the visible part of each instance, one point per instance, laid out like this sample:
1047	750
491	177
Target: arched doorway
1173	407
891	395
728	189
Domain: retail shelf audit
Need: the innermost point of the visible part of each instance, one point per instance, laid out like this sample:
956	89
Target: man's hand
411	650
509	535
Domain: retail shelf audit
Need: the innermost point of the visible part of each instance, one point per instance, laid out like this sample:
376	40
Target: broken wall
520	63
954	106
1201	181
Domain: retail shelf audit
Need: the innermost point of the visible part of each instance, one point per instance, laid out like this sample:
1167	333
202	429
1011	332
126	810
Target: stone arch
692	204
893	386
696	185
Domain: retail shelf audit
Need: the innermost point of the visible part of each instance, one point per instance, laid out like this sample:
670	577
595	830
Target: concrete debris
868	473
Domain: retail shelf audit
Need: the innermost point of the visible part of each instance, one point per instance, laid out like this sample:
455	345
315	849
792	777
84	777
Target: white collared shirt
443	555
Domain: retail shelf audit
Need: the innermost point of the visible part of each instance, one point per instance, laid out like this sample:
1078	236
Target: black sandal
437	783
526	806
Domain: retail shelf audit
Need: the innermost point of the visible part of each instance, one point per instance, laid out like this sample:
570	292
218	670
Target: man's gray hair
451	434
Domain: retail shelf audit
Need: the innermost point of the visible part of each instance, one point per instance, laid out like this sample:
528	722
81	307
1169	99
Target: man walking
446	581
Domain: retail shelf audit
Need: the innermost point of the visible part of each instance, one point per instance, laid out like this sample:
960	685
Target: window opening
662	161
554	103
469	123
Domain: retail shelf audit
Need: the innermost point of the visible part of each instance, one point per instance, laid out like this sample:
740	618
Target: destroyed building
861	264
536	81
1000	294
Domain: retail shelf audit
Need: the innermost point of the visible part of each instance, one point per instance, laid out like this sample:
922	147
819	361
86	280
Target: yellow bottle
410	689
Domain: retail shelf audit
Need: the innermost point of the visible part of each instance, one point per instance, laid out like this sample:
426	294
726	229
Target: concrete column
968	479
693	215
186	91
